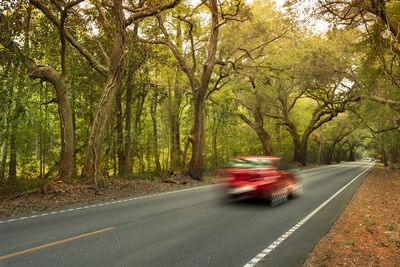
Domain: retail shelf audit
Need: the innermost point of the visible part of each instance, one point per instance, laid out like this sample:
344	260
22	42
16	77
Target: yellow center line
54	243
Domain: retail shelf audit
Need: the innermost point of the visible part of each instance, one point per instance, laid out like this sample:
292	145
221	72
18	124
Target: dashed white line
283	237
103	204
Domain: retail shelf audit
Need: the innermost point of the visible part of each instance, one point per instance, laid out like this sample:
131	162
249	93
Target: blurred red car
260	177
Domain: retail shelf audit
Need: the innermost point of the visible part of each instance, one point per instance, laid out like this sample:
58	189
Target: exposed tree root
36	190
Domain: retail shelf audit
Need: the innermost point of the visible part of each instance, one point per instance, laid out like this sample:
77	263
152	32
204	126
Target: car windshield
251	163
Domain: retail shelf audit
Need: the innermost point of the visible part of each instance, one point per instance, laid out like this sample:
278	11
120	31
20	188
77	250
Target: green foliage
389	226
265	60
393	8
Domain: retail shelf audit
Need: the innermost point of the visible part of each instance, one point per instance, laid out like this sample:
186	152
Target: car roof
259	157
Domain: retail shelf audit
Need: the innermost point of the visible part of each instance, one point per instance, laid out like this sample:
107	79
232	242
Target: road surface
190	227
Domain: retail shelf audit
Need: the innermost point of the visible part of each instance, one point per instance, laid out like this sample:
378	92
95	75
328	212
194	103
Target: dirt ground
366	234
368	231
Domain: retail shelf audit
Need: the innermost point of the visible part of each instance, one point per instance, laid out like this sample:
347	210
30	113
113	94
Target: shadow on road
246	203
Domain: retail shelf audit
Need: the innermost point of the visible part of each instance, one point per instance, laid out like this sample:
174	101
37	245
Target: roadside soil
368	231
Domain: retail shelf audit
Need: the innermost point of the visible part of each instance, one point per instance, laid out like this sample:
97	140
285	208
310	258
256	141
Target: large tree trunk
258	127
320	149
66	168
110	150
352	152
266	142
300	151
198	138
329	154
91	169
338	154
299	145
262	134
120	134
67	134
199	87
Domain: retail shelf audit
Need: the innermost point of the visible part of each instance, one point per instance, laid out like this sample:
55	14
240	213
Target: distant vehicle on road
368	158
260	177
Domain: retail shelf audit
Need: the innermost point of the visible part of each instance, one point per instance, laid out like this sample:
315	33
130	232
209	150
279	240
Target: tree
113	72
381	130
256	39
48	73
199	78
137	57
257	110
314	71
353	12
157	97
214	79
378	18
332	136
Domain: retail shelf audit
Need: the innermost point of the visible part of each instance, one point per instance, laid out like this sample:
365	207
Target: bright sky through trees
317	25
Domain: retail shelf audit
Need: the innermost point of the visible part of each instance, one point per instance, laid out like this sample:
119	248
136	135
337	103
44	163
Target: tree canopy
94	89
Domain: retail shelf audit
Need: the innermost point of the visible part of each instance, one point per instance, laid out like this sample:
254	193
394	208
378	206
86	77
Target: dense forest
92	89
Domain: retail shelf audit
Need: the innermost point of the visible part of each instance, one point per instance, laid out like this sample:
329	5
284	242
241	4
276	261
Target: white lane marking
322	168
107	203
282	238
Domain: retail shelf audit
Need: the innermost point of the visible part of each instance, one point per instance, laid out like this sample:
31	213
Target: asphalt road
192	227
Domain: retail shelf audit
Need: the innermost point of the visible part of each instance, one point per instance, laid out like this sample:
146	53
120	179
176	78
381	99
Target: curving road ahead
191	227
